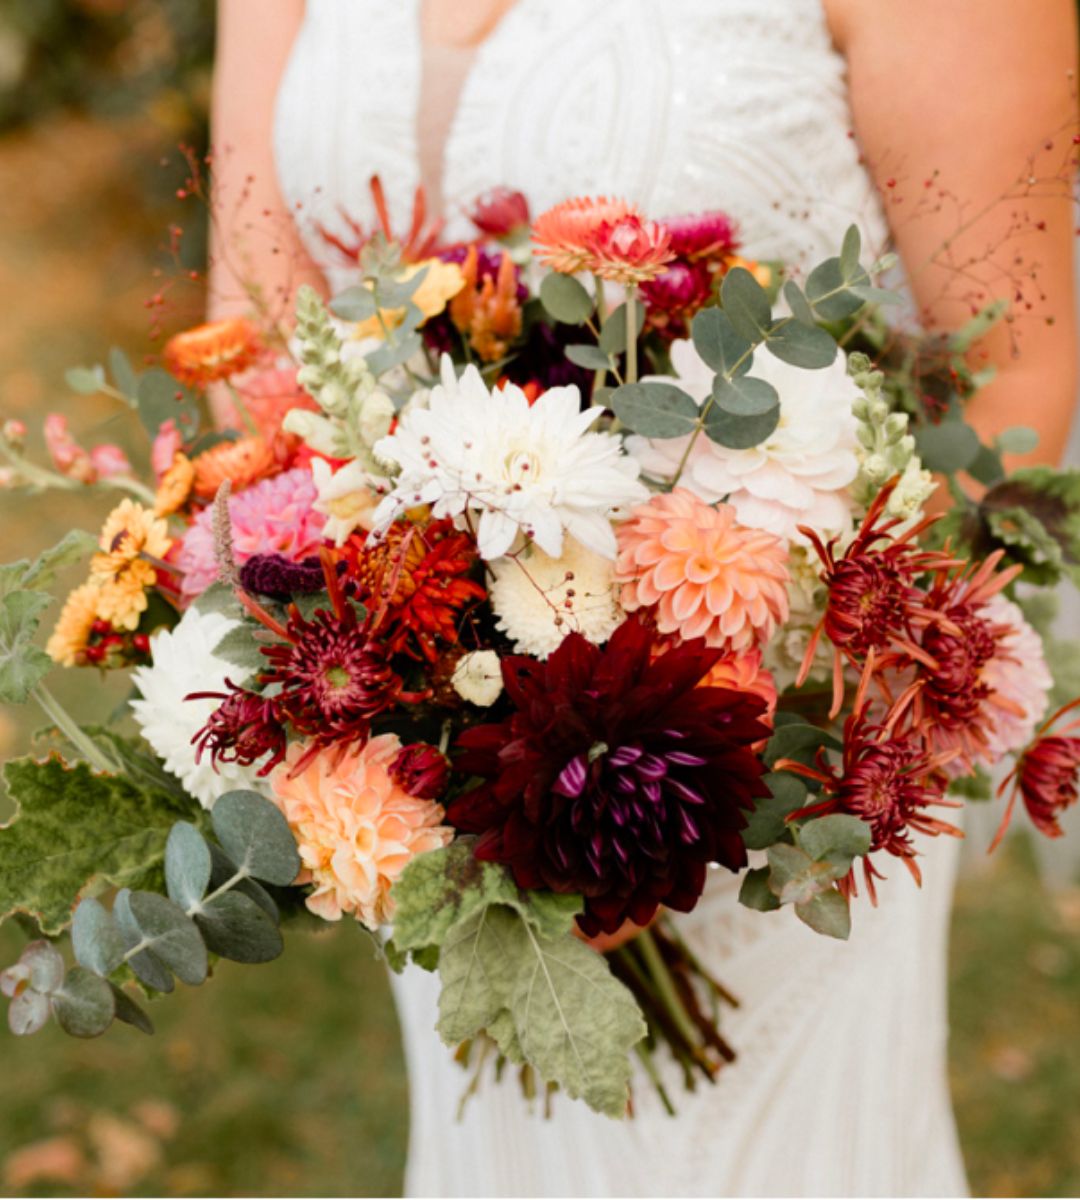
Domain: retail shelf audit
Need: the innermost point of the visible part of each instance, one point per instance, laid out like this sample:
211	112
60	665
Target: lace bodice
681	106
687	105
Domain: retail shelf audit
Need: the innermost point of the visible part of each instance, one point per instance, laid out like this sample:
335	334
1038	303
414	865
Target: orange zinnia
563	233
242	463
213	351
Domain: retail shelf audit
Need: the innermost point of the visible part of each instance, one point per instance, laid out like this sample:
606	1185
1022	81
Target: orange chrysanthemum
486	310
74	625
175	486
213	351
629	250
701	573
242	462
562	234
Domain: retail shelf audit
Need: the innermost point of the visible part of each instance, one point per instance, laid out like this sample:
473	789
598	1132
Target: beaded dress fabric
839	1087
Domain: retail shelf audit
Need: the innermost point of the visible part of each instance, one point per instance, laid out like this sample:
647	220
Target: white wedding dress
840	1087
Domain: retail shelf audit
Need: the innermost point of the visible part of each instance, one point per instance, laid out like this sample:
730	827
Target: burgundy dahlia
242	729
675	295
616	776
421	770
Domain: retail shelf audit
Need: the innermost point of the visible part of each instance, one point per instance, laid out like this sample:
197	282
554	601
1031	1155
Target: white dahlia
539	599
533	470
799	475
183	661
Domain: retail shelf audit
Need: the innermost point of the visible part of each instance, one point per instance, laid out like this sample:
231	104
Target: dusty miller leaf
73	826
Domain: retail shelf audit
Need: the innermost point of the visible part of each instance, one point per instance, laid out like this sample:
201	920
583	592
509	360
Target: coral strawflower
562	234
616	776
629	250
174	486
700	573
213	351
242	463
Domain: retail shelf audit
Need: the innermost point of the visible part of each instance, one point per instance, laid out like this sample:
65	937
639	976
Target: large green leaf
551	1000
73	827
22	664
439	889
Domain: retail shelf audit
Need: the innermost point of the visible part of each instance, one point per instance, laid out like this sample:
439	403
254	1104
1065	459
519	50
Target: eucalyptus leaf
745	411
755	892
148	968
28	1012
949	447
45	965
767	822
987	467
354	304
97	942
255	835
795	877
613	333
875	295
565	299
187	866
797	302
717	343
746	304
1019	439
123	374
171	935
394	292
806	346
827	912
836	836
129	1012
235	927
85	380
393	354
85	1005
655	410
798	740
850	250
829	292
223	869
160	398
592	358
241	648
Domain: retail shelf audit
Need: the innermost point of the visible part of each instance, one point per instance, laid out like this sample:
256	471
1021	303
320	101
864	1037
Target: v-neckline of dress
479	60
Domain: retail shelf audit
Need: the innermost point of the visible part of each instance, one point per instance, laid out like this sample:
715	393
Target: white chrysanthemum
799	475
183	662
539	599
478	678
523	469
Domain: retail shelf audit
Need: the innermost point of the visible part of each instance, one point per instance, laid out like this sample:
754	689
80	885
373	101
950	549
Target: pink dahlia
702	573
355	827
276	516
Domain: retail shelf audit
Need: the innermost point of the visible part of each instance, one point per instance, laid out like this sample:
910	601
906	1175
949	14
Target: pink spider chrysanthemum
701	573
276	516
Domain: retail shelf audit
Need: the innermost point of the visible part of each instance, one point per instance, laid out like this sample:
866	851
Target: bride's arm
967	97
253	238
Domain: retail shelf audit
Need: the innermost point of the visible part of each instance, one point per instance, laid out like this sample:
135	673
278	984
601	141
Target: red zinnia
616	776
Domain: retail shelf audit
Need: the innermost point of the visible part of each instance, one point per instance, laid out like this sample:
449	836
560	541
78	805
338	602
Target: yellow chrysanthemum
175	486
72	633
439	286
130	537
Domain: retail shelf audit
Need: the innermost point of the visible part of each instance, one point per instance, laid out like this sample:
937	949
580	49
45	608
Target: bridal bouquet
539	577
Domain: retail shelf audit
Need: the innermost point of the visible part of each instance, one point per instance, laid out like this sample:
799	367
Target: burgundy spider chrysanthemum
873	604
889	781
1046	776
616	776
242	729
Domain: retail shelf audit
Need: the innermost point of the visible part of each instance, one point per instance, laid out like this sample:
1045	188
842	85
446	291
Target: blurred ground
287	1079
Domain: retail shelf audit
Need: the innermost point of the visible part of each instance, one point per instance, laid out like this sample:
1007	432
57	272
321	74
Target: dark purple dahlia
616	777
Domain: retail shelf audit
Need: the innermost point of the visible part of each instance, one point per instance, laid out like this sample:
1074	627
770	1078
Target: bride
914	118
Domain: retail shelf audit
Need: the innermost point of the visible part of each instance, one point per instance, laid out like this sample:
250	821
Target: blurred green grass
287	1079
